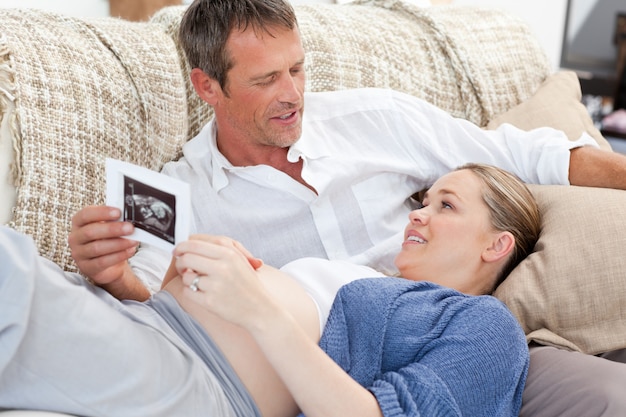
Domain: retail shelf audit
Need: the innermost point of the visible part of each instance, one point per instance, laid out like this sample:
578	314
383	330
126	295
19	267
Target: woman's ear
206	87
501	246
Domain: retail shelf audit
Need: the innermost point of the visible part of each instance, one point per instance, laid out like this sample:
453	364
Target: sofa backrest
75	91
82	90
473	62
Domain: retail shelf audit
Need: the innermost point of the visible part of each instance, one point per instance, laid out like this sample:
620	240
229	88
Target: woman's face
444	240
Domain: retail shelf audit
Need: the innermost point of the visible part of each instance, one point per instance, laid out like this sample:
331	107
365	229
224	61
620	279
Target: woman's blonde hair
512	208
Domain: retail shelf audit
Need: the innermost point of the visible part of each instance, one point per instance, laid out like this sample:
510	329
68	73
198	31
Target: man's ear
206	87
501	246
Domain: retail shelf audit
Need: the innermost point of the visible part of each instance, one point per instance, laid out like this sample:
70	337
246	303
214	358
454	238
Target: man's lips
286	117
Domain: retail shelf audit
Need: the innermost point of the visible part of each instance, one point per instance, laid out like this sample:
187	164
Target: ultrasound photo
158	205
150	209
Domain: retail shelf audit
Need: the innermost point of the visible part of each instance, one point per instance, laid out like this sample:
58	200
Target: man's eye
267	81
419	205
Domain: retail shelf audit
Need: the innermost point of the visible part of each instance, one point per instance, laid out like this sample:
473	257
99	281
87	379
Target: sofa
75	91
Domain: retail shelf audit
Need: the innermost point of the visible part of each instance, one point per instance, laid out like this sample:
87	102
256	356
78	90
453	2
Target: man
335	181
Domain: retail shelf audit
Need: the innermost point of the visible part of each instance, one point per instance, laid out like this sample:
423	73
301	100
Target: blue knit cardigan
425	350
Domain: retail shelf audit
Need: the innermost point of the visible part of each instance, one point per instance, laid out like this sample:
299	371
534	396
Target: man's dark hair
206	25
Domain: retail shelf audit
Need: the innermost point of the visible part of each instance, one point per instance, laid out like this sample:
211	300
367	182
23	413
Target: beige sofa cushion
571	291
84	90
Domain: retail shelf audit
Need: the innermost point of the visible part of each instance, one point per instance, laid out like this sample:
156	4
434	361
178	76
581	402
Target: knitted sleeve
475	366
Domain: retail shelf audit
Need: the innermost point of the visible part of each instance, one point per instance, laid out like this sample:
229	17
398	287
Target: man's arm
127	287
592	167
101	252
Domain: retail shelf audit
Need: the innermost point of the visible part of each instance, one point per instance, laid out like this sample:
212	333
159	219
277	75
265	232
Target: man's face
262	101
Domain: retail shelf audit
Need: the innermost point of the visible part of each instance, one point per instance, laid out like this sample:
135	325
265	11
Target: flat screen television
589	38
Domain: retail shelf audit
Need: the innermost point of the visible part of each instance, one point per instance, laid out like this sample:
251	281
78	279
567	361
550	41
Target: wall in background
545	17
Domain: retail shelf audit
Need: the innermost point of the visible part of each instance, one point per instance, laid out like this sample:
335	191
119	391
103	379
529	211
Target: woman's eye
446	205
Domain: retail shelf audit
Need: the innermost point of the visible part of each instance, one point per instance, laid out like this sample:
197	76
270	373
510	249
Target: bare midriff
264	385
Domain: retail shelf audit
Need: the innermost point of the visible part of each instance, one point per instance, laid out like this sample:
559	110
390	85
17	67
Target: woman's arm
230	288
319	386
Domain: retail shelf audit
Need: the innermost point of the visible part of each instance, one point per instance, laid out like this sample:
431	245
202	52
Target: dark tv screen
589	39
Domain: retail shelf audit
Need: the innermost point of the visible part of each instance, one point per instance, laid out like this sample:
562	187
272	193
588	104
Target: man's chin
287	138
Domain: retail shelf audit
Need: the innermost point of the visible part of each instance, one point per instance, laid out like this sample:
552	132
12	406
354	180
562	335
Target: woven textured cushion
84	90
570	291
473	62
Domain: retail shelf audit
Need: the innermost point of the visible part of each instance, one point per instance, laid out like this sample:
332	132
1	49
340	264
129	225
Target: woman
429	350
390	346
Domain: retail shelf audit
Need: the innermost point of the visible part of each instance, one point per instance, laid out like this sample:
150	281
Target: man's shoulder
340	103
356	94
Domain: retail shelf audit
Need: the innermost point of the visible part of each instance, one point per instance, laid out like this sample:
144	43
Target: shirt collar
306	148
219	162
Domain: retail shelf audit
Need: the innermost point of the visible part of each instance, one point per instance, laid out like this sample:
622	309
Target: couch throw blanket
83	90
424	350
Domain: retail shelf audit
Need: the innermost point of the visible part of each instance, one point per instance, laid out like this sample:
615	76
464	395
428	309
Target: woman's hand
220	274
228	284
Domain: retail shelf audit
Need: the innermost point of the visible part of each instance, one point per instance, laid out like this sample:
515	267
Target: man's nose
289	91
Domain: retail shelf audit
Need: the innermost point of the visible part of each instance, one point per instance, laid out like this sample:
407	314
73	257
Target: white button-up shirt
365	152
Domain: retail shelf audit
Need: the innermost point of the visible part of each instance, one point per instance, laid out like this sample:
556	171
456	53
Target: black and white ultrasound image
150	209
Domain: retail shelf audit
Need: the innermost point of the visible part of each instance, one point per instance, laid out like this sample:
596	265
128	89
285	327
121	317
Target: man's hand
101	252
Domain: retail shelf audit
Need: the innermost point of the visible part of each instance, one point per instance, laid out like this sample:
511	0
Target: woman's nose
418	216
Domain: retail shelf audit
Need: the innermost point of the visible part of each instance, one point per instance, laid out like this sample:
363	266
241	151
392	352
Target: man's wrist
127	287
